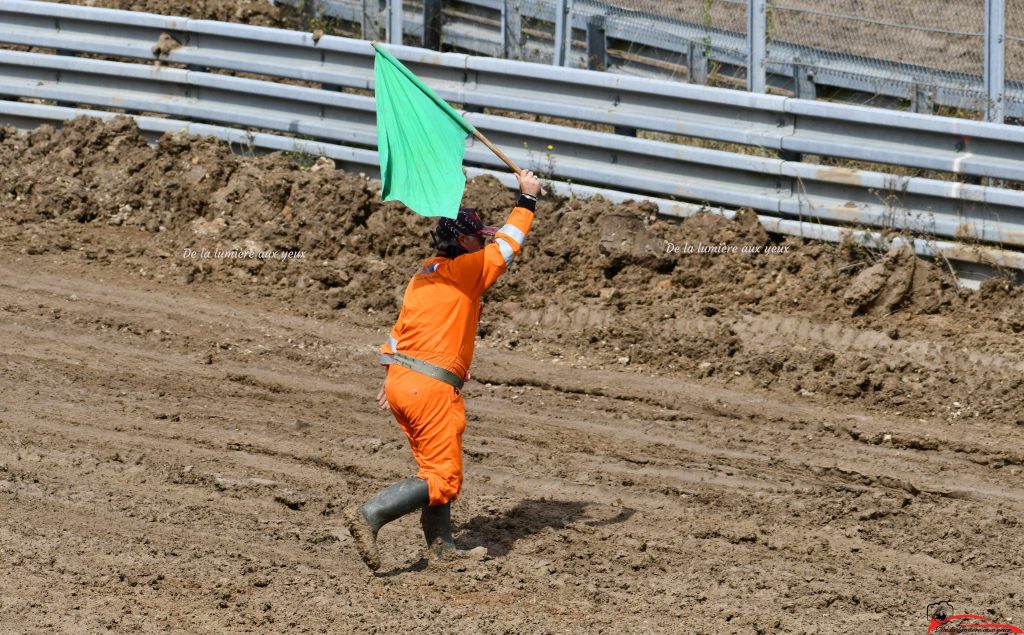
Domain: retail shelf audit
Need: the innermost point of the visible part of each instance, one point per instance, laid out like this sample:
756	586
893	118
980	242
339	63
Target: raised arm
477	271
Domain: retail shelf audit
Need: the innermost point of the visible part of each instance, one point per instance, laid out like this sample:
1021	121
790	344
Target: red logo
942	619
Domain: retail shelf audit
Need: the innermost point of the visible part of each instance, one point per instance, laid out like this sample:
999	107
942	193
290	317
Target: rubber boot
364	522
437	530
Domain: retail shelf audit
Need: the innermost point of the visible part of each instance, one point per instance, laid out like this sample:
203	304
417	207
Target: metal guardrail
773	186
973	262
805	67
764	121
784	192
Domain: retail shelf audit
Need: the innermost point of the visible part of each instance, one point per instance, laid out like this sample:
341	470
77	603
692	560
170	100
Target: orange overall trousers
433	417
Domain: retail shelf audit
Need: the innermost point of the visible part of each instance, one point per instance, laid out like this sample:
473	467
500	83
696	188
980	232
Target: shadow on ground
500	533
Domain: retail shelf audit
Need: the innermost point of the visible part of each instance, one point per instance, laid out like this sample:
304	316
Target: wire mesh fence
538	28
1015	40
944	35
926	41
930	52
666	30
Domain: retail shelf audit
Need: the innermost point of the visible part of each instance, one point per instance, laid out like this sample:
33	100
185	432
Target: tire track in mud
776	331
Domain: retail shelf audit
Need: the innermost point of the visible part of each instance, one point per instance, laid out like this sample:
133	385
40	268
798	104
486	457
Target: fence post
69	53
371	19
995	59
432	24
511	30
697	60
563	32
923	100
597	43
394	21
757	28
803	81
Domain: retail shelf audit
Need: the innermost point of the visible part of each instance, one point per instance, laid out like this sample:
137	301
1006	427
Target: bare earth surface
819	440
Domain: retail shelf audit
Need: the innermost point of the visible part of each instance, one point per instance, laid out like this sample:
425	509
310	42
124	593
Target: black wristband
527	201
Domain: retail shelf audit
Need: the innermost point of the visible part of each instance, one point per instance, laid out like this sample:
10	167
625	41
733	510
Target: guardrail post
371	19
597	43
995	59
432	24
924	100
803	81
68	53
757	29
394	21
563	31
697	60
511	30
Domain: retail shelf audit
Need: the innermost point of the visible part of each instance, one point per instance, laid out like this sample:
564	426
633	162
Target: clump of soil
896	281
597	283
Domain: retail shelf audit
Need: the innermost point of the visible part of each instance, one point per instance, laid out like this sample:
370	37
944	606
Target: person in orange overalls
428	356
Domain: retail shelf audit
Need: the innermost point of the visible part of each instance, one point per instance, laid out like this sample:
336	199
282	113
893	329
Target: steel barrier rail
973	261
771	122
663	169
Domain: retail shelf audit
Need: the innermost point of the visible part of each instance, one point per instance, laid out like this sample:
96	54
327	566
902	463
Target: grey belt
430	370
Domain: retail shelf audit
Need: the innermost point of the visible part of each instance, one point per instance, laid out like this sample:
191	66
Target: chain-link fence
928	52
1015	48
670	32
538	26
942	35
923	42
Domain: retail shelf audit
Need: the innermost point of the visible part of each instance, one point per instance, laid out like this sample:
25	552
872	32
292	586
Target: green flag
421	141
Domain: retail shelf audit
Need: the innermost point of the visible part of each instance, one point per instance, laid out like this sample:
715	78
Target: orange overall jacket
437	324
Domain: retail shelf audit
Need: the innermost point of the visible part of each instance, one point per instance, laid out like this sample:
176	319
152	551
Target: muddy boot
437	529
394	502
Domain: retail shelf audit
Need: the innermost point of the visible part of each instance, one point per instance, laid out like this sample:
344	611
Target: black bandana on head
467	223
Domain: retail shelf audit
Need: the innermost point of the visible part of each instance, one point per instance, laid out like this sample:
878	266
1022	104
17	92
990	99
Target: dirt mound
195	193
598	284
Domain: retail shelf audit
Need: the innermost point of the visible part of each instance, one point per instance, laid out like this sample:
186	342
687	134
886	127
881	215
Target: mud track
177	460
177	439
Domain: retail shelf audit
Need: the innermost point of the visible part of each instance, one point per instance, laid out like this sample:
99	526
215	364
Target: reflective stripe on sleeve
387	359
506	250
393	343
517	234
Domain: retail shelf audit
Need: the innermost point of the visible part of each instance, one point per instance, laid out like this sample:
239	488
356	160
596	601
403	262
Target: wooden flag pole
447	107
501	155
497	151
